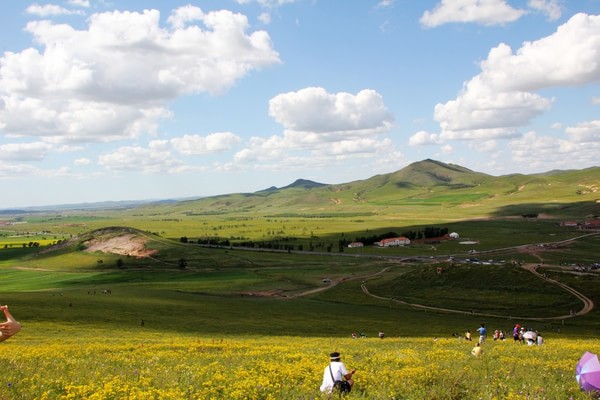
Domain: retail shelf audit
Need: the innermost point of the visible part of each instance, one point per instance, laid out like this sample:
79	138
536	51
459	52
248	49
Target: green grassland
229	291
308	282
424	193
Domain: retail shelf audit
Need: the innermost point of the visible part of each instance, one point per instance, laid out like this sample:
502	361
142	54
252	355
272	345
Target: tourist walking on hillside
9	328
336	375
516	333
482	333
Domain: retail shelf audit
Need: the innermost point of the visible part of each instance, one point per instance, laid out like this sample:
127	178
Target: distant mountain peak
432	173
304	183
429	163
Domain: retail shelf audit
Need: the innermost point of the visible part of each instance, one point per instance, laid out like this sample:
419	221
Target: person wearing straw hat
336	376
9	328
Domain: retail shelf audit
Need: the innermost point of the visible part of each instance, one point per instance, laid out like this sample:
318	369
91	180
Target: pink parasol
588	372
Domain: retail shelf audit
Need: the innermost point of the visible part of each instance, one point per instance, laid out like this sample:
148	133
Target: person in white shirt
477	350
336	371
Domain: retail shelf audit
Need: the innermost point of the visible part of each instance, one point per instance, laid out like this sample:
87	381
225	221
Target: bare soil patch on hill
127	245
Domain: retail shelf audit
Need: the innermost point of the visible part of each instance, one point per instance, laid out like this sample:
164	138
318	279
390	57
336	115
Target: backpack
340	386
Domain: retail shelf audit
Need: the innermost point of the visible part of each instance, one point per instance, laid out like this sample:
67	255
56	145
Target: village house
356	244
398	241
590	224
569	223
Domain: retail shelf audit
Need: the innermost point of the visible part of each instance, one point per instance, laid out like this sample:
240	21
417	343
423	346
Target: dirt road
588	304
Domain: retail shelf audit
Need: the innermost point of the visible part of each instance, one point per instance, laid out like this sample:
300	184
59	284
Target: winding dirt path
588	304
336	282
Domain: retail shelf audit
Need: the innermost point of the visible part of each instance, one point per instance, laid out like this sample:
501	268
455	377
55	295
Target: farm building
356	244
569	223
590	224
398	241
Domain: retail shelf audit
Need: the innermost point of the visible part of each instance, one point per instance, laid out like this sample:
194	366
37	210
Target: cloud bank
112	80
503	96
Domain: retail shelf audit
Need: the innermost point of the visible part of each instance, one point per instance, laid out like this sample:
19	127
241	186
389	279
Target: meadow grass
62	361
241	286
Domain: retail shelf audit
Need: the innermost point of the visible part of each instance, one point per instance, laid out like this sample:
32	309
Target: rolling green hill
307	213
280	293
439	190
172	275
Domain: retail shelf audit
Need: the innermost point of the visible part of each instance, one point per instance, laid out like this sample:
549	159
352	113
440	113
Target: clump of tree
429	232
270	245
214	241
530	215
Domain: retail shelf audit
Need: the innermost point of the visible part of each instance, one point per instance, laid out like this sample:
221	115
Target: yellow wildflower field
150	365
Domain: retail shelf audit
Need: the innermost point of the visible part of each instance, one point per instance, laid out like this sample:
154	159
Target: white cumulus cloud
48	10
485	146
543	153
385	3
82	161
184	15
423	138
34	151
267	3
150	160
585	132
447	149
113	80
212	143
551	8
495	103
261	150
79	3
315	112
484	12
320	128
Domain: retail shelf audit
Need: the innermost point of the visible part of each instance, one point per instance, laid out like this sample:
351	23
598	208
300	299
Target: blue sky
125	100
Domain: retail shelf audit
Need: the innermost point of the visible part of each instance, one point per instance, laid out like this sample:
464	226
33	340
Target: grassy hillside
424	193
305	281
229	291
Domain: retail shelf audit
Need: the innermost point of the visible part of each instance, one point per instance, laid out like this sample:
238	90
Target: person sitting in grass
477	350
468	335
336	372
9	328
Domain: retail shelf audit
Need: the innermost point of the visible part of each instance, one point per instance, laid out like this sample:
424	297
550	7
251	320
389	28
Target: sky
106	100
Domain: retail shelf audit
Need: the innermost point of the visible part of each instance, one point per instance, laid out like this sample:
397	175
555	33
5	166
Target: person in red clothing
9	328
